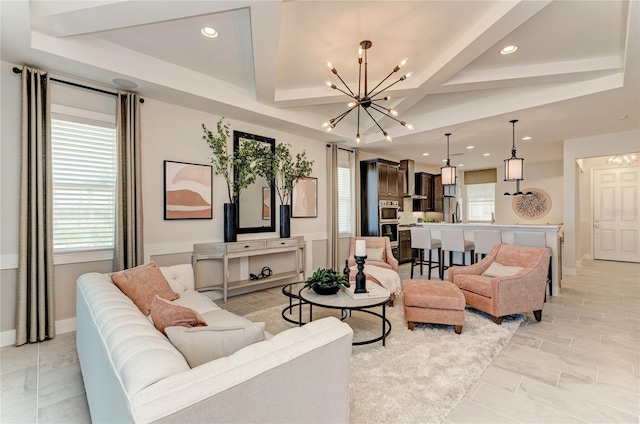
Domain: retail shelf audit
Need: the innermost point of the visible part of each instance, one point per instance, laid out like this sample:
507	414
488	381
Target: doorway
616	205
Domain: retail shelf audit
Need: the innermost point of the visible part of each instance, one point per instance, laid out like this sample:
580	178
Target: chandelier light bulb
351	104
329	65
325	124
358	138
387	136
408	126
408	74
393	112
359	52
403	62
387	98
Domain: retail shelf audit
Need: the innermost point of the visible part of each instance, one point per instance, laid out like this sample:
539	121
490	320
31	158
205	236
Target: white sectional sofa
132	373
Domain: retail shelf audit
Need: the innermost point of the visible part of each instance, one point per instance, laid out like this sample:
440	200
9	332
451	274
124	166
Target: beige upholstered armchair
509	280
380	266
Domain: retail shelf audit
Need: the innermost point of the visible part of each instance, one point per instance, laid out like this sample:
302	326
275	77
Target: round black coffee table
347	304
292	292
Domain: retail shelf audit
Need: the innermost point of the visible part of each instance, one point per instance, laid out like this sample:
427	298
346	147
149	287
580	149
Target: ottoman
433	301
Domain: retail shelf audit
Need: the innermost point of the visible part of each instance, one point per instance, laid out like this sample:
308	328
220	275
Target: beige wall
169	132
542	175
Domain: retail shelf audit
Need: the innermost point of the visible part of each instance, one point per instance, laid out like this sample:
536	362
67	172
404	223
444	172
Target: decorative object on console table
285	221
326	281
282	170
187	191
230	214
224	163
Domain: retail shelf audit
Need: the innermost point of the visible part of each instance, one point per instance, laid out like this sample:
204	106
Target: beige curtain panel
481	176
128	249
332	203
35	314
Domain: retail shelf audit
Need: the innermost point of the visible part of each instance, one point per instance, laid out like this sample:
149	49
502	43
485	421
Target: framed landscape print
188	190
304	198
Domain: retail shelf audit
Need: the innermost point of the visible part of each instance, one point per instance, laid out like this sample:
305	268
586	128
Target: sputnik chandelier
366	100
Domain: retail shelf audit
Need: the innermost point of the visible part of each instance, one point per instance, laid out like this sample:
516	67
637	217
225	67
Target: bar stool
534	239
453	241
485	240
422	242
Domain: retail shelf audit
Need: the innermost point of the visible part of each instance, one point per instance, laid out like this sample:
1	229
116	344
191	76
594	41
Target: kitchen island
551	233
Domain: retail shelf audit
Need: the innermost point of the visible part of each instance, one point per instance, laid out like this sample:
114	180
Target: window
480	201
84	184
346	192
345	225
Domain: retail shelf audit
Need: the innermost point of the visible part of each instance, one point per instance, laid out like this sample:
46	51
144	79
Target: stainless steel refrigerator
450	209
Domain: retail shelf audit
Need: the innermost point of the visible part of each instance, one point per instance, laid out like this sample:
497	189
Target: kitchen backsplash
407	216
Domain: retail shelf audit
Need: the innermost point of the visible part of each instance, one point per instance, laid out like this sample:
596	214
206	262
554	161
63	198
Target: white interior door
616	225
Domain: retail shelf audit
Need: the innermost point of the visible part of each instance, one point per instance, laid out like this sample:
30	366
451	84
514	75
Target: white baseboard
8	338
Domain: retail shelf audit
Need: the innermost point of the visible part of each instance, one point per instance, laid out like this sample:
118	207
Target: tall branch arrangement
281	170
243	159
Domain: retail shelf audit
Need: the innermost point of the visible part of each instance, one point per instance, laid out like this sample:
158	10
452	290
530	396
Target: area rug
420	375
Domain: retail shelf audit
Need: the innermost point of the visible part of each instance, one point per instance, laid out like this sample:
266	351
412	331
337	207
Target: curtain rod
17	70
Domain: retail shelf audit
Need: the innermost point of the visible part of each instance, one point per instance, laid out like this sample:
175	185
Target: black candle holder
361	279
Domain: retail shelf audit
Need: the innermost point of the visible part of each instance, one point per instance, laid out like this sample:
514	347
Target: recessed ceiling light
471	147
526	138
124	83
209	32
486	154
508	49
425	154
621	117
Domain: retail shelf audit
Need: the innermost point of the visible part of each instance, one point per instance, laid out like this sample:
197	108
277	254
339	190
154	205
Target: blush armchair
381	266
509	280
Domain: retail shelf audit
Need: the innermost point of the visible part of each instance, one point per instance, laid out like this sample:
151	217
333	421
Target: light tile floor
580	364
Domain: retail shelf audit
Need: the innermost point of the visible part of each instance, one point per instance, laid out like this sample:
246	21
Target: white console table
285	257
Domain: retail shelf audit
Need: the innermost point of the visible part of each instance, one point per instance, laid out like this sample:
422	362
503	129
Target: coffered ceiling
575	73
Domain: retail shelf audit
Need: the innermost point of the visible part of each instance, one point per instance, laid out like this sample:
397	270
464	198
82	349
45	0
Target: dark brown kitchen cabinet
424	192
438	193
378	181
388	180
404	246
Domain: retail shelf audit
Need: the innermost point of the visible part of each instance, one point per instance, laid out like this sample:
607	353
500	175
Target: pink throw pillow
142	284
165	314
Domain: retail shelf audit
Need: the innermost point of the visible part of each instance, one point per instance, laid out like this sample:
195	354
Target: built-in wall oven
388	210
389	220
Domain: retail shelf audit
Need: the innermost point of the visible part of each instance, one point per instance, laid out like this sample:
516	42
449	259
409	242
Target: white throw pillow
498	270
203	344
375	254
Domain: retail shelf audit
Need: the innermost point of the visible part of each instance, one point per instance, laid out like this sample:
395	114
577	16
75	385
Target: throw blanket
387	278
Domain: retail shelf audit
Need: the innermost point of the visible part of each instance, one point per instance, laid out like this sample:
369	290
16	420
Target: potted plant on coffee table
326	281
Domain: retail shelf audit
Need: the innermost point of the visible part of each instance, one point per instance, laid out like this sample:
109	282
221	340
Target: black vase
230	212
285	221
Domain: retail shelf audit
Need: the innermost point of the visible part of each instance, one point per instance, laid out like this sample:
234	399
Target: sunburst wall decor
532	207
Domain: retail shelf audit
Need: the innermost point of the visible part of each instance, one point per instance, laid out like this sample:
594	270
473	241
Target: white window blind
345	224
481	199
84	185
